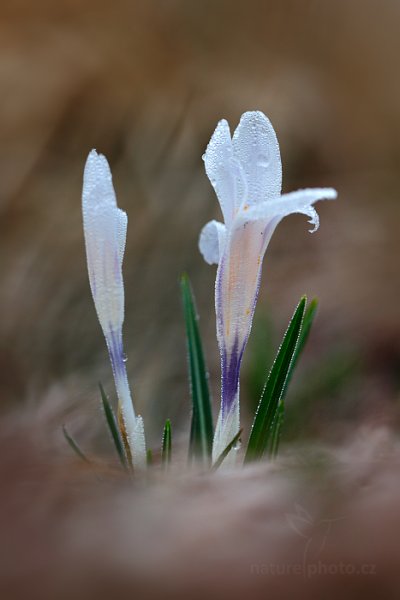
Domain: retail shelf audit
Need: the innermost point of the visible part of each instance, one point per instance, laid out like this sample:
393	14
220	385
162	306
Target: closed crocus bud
105	227
246	173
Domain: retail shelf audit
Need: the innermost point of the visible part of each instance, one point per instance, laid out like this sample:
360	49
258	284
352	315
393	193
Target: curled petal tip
212	239
314	220
329	194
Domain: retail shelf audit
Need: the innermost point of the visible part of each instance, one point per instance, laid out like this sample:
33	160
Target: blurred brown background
145	83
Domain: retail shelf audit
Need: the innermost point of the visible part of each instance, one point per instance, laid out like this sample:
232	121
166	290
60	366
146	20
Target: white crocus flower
246	173
105	228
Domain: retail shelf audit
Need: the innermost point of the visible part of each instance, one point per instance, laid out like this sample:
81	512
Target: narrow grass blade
202	426
166	443
308	320
124	437
275	387
276	429
75	446
149	457
225	453
113	427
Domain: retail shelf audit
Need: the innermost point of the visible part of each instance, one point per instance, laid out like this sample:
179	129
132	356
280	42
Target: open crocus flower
246	173
105	228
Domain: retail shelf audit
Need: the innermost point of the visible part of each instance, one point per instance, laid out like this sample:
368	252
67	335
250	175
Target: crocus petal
97	173
256	146
105	227
224	171
122	225
137	442
300	201
212	240
105	234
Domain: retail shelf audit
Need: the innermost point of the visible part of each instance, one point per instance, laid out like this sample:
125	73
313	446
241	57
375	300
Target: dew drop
263	160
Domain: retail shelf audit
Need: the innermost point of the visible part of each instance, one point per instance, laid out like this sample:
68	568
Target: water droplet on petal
263	160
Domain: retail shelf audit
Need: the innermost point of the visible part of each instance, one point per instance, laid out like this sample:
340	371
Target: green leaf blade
308	320
75	447
113	427
166	450
275	387
201	437
276	429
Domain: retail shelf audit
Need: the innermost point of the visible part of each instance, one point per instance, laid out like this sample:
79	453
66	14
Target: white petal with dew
212	241
122	225
97	173
137	444
300	201
105	234
224	171
256	146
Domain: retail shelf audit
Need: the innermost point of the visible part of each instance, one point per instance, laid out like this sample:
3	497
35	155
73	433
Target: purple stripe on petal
115	349
230	370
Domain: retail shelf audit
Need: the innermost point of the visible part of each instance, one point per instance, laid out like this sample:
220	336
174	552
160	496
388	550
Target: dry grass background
145	82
